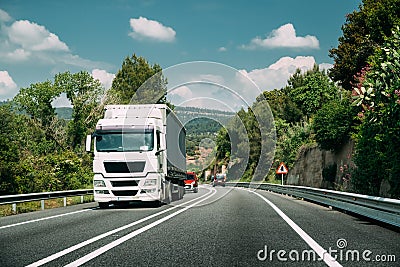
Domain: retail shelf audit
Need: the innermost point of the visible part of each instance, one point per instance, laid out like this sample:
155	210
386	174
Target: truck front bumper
139	196
127	189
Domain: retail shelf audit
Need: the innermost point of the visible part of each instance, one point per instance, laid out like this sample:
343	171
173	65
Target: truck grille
123	183
124	193
124	167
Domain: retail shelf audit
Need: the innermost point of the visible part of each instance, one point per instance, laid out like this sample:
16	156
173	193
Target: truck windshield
189	177
118	141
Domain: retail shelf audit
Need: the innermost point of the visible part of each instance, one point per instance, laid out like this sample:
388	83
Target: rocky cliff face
322	169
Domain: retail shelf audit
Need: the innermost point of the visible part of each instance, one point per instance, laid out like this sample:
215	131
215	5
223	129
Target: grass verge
6	210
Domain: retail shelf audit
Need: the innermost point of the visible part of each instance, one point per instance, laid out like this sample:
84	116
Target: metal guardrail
386	210
13	199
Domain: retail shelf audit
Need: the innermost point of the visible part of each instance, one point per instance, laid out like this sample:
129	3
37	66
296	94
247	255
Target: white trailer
139	155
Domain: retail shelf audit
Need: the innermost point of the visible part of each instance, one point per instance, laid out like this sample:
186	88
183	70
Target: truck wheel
103	205
157	204
168	197
181	192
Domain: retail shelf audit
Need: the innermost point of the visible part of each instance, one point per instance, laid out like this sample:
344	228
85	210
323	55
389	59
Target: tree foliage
294	108
291	140
37	99
332	124
282	106
378	140
363	31
130	86
310	90
84	93
36	154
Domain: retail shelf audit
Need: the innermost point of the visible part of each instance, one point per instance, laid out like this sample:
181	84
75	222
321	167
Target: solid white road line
121	240
321	252
43	219
96	238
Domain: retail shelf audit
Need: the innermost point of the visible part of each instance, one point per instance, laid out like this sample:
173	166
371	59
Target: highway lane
229	227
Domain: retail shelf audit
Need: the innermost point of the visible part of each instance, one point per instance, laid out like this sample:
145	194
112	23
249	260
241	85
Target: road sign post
282	169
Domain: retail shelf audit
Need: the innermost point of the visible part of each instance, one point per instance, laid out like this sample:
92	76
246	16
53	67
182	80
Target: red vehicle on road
191	182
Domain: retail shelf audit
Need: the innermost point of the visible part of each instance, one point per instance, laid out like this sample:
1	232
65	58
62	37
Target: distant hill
202	126
64	113
192	114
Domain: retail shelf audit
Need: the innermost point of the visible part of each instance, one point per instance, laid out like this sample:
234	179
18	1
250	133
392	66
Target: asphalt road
215	227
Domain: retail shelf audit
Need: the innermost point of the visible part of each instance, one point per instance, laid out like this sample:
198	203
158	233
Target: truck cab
191	182
138	155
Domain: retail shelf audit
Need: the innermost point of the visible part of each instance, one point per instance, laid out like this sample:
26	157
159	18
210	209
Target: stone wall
308	168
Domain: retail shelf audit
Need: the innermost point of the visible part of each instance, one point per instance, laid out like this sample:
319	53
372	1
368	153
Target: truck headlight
150	182
149	191
99	183
101	192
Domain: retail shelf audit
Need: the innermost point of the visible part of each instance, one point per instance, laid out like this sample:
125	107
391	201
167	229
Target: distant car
219	179
191	182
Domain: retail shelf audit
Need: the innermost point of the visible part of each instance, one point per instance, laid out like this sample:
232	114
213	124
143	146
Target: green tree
22	141
332	124
363	31
36	101
135	71
377	149
282	106
85	94
10	150
291	141
310	90
223	145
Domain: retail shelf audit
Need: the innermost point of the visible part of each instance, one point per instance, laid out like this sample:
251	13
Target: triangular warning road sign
282	169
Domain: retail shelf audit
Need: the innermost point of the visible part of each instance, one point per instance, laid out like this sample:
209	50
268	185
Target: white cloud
8	88
212	78
104	77
289	65
34	37
61	101
182	91
4	16
284	36
143	28
18	54
276	75
26	41
325	66
222	49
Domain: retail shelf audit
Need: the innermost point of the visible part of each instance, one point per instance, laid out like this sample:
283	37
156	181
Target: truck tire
168	191
103	205
181	192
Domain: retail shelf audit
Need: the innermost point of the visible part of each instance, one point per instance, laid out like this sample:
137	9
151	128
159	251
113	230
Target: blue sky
265	40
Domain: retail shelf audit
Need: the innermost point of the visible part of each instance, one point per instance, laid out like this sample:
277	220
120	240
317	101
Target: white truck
139	155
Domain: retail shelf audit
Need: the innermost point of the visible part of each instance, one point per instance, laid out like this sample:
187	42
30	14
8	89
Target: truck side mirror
88	143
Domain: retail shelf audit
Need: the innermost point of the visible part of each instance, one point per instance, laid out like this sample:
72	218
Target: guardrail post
42	204
81	199
14	207
65	201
